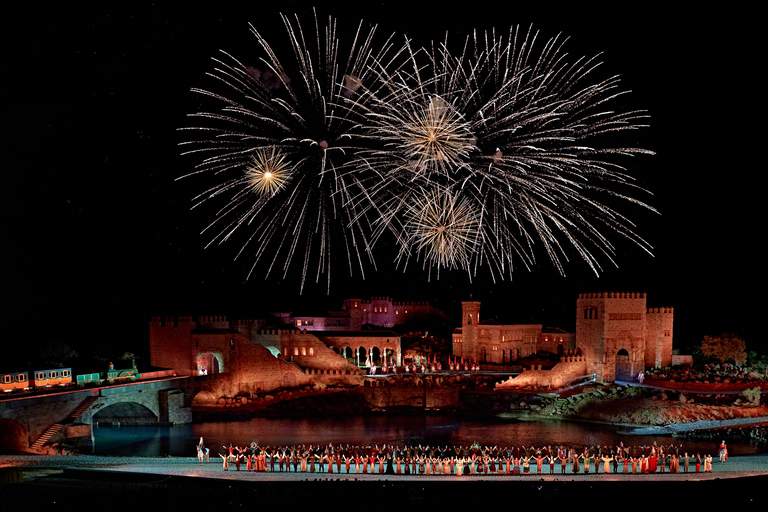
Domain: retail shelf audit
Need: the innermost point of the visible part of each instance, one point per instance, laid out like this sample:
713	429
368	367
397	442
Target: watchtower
470	318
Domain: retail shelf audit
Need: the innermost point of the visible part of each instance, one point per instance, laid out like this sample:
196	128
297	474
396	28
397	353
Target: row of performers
399	462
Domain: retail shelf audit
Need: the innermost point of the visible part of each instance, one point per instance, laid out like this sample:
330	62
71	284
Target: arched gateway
623	366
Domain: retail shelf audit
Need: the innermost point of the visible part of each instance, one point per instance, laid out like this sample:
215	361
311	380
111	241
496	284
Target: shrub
752	395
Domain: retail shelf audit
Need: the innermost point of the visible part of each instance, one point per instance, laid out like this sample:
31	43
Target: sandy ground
36	466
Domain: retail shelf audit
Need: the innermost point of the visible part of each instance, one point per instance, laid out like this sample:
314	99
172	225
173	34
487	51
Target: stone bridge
32	421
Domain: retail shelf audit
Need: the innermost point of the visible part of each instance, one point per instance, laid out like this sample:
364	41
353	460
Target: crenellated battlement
612	295
213	319
170	321
249	321
276	332
668	311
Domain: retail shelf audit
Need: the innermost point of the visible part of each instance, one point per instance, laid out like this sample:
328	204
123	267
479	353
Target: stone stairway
58	427
49	433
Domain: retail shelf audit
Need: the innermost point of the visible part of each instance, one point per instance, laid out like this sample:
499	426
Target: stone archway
389	356
349	354
623	366
208	363
362	355
204	397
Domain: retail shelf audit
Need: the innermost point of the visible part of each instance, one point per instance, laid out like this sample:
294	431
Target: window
311	351
296	351
303	351
6	379
298	323
590	313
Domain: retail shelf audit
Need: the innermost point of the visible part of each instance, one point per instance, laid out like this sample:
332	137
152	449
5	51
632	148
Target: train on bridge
63	377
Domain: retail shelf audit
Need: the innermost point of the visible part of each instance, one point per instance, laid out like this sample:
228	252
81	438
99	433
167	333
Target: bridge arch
14	436
204	397
125	413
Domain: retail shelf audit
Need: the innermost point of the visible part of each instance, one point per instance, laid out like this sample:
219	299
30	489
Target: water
432	430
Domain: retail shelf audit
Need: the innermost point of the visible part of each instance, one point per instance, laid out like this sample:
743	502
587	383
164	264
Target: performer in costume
723	452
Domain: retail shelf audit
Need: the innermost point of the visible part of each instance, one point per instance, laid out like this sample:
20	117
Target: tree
725	347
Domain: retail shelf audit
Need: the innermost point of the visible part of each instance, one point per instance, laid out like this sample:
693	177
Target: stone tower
620	337
470	318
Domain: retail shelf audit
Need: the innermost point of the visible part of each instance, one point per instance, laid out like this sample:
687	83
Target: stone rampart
562	374
417	397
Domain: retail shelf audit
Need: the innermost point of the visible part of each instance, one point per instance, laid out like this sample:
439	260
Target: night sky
101	235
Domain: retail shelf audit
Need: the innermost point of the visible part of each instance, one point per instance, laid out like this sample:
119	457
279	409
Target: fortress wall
559	376
170	342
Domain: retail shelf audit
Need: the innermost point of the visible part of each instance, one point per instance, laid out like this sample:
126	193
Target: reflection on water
391	429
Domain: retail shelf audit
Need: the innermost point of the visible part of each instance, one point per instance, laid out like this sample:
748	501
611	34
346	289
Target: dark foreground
72	489
75	487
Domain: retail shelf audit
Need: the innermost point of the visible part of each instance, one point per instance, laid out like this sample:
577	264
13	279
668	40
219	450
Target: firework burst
485	157
277	145
442	228
520	133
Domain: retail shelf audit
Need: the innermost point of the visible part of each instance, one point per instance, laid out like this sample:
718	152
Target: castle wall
170	339
659	336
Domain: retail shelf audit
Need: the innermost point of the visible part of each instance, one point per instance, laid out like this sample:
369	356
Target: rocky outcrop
637	406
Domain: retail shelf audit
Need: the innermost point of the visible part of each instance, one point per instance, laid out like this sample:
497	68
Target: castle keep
620	337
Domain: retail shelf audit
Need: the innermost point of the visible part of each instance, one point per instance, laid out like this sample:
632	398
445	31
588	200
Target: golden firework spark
268	172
